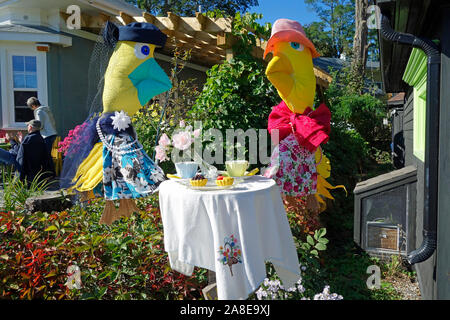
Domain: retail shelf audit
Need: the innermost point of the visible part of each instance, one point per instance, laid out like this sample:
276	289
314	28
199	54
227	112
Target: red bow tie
310	128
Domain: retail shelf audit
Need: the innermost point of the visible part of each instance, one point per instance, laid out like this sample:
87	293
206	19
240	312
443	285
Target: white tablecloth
248	220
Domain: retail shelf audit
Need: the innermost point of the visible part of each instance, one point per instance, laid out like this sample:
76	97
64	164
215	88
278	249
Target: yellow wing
323	163
90	171
323	170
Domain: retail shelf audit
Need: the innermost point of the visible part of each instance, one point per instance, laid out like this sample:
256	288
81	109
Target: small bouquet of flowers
183	141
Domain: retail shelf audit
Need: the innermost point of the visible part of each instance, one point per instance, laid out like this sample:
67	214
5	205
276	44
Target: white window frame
7	51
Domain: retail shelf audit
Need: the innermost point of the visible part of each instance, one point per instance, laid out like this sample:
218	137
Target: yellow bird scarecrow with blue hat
107	151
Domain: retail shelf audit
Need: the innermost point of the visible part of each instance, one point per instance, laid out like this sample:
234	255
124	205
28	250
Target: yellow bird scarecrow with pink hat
297	164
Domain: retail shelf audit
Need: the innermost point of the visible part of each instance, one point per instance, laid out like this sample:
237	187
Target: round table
232	232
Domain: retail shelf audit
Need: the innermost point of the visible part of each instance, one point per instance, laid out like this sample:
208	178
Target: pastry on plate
198	181
224	181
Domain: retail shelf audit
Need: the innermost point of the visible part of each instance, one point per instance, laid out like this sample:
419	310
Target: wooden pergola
209	40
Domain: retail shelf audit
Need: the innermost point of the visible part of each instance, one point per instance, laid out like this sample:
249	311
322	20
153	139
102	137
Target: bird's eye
141	50
297	46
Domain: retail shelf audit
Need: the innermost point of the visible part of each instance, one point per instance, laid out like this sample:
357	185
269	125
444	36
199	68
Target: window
23	74
420	114
24	71
416	76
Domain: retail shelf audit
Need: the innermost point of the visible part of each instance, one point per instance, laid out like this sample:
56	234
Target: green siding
416	76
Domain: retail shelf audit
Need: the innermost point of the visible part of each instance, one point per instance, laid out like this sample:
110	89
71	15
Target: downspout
430	209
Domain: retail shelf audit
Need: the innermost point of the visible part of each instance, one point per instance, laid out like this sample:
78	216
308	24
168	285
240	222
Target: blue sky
289	9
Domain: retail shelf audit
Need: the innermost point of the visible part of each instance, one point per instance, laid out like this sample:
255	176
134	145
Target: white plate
225	174
179	180
211	188
210	185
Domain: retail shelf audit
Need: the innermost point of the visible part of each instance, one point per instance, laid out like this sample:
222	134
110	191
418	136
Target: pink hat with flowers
285	30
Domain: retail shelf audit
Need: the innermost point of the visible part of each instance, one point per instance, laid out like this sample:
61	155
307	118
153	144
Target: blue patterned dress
128	172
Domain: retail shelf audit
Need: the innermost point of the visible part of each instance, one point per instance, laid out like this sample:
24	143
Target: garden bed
127	261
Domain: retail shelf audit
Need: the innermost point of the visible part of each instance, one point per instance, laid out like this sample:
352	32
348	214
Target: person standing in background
48	125
32	156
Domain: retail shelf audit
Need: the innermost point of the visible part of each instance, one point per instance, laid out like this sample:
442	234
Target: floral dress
293	167
128	172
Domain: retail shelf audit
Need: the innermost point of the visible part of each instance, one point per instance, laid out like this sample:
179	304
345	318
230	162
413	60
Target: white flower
121	120
74	277
182	140
164	141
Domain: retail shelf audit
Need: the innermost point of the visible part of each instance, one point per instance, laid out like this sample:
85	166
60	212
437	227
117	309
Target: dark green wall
67	83
443	247
424	269
434	273
1	110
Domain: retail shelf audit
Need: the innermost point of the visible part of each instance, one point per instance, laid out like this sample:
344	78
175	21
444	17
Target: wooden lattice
210	40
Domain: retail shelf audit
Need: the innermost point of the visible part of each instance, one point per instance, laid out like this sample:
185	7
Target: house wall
424	269
1	111
443	247
68	83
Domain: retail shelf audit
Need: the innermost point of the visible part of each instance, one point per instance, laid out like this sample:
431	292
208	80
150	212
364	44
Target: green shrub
123	261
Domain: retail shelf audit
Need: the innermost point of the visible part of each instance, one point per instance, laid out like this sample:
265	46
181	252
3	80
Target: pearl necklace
118	150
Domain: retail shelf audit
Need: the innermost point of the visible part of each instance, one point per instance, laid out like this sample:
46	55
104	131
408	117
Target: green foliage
316	243
189	7
336	26
235	95
123	261
315	31
357	124
16	191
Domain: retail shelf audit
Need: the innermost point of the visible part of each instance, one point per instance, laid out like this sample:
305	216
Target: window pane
21	97
18	63
30	64
31	80
19	80
23	114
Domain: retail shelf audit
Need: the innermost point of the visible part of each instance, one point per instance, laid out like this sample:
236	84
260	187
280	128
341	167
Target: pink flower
164	141
182	124
280	172
182	140
287	186
289	166
197	133
294	157
161	154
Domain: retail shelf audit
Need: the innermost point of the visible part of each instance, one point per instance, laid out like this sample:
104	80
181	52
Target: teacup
186	170
236	168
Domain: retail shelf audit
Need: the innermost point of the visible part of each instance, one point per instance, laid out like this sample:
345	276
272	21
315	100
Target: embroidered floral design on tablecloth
230	252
